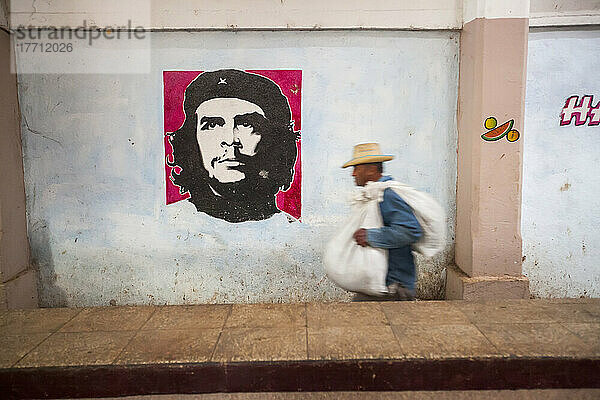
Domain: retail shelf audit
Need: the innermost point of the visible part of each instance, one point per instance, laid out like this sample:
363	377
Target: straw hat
365	153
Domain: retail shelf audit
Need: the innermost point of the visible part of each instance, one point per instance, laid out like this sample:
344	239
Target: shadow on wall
49	293
431	284
431	273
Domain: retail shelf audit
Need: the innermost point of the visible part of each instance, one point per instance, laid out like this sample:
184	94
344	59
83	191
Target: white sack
353	267
429	213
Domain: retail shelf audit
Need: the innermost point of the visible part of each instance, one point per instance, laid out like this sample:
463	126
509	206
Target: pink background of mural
175	83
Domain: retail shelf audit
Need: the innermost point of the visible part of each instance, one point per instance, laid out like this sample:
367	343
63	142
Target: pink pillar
18	285
493	59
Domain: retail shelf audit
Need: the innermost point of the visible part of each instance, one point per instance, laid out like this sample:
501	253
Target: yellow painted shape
490	123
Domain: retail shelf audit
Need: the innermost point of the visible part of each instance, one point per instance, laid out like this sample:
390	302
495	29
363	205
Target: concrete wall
242	14
93	155
300	14
561	188
85	183
564	12
17	279
4	14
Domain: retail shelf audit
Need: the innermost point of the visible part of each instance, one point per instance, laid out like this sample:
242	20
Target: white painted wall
98	225
492	9
561	188
243	14
299	14
564	12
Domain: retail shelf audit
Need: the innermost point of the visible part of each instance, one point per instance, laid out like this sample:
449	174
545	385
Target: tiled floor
271	332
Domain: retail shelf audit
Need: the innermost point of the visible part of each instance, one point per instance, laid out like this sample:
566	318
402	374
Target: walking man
400	226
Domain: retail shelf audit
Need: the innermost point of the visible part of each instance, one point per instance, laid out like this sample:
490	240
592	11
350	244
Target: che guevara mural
232	142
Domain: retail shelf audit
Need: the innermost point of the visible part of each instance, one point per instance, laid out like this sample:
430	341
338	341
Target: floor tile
506	311
423	312
168	346
37	320
586	300
589	333
16	346
261	344
320	315
188	317
358	342
109	319
572	312
535	339
443	341
78	348
266	315
593	307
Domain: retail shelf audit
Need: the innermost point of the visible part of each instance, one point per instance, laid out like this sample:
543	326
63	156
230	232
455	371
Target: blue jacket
400	230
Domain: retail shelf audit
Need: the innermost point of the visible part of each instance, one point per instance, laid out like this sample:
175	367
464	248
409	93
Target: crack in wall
39	133
34	9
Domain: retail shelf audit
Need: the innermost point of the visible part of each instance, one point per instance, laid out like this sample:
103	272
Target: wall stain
565	187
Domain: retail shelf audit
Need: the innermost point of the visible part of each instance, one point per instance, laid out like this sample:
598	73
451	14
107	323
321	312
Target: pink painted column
18	281
493	58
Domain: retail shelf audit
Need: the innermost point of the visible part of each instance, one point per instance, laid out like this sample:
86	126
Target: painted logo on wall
582	112
232	142
496	132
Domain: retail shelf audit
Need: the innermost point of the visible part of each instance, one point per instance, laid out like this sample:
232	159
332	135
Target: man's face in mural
228	133
236	148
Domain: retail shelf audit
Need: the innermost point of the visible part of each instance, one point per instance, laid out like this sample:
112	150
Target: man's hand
361	237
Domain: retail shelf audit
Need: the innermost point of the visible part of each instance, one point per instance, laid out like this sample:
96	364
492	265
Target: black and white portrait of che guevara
236	148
